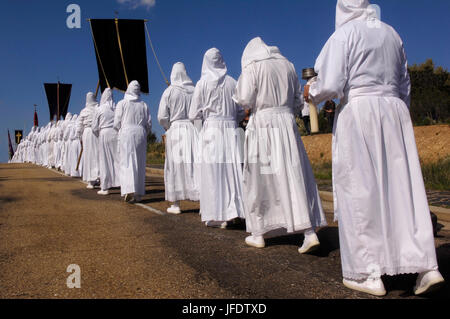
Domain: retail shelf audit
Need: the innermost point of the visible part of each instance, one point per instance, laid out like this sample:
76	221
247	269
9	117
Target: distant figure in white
221	171
181	139
50	145
133	121
280	192
65	148
74	149
90	141
380	201
102	126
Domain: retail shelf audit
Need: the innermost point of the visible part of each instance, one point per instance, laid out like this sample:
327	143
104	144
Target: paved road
48	221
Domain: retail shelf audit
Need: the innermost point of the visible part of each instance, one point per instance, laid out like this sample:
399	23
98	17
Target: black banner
120	51
55	91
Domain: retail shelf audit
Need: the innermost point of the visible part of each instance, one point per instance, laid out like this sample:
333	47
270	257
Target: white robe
90	144
220	142
102	126
66	134
181	138
74	150
380	200
50	146
280	191
133	121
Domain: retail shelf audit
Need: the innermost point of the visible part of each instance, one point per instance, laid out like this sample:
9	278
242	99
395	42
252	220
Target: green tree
430	94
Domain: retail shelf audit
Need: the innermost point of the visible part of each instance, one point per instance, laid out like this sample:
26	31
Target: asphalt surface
49	221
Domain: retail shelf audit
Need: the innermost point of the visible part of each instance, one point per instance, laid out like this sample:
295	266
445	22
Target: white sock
309	232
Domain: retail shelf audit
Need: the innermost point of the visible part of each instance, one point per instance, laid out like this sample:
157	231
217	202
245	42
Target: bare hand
306	93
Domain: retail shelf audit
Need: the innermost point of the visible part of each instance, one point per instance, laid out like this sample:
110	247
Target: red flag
11	150
36	122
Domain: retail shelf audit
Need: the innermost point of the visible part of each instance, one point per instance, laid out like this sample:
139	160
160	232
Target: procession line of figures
265	176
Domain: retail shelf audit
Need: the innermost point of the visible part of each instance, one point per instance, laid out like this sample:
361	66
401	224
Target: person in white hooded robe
380	200
133	121
57	140
65	139
90	141
220	141
102	126
66	143
50	145
181	139
280	192
74	149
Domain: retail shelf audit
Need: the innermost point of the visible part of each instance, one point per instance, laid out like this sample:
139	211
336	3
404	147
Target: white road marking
149	208
153	210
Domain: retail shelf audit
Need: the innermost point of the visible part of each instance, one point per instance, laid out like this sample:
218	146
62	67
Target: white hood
90	100
214	68
107	98
133	91
180	79
257	50
348	10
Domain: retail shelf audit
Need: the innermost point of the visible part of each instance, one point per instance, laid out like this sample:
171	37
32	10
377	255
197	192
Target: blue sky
38	47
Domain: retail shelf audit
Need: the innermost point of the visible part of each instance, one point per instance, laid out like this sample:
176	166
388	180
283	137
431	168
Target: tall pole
57	101
96	90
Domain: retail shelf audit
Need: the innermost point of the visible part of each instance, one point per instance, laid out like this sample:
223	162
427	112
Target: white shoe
174	210
310	243
213	223
372	286
102	192
255	241
428	281
90	186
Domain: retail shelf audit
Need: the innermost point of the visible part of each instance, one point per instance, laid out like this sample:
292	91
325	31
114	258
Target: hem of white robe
176	196
389	271
296	228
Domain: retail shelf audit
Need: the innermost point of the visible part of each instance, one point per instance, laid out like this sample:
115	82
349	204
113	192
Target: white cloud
138	3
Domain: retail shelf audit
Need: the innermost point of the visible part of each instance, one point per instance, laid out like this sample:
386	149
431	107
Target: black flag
121	53
55	91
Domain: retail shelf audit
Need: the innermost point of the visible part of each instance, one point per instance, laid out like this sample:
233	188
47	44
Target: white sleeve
164	111
95	126
405	82
80	124
246	90
196	109
331	66
118	116
148	125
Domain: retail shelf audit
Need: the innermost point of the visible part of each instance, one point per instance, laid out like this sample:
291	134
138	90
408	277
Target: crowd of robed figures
264	175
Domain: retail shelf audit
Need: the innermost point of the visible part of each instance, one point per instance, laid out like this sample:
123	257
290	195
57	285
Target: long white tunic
102	126
181	138
90	143
380	200
133	121
74	149
66	145
51	146
221	173
280	191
